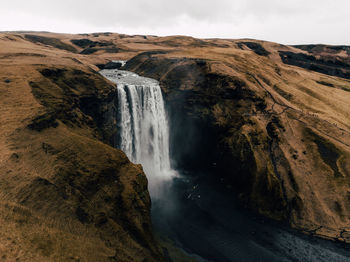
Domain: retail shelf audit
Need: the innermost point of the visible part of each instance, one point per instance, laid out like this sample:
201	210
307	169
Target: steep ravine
202	214
235	130
94	110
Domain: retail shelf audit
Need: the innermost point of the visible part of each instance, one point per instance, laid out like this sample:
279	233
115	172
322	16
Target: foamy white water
143	125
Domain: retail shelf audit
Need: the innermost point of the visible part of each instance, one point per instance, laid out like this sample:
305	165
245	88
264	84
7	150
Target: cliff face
277	135
65	195
330	60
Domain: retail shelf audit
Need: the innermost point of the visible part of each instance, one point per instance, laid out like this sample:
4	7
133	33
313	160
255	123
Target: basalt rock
330	65
51	41
238	129
110	65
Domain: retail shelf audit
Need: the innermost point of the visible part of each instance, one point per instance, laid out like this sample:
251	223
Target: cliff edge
65	194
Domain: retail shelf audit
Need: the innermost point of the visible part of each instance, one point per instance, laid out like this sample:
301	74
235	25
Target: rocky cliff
277	135
66	194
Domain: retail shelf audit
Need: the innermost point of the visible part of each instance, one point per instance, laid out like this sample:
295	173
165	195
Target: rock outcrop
66	193
262	129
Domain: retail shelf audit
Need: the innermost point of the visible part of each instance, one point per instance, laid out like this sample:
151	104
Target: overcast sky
283	21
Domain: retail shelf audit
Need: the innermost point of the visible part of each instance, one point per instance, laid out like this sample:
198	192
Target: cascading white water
144	131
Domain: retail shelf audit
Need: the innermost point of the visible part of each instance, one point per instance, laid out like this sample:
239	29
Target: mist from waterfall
143	125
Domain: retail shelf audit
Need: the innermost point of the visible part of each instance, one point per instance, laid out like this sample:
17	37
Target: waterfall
143	126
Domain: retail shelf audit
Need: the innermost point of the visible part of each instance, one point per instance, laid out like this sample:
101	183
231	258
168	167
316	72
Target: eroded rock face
330	65
116	187
83	198
51	41
256	47
209	113
236	129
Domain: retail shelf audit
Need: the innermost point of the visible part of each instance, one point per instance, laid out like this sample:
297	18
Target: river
204	221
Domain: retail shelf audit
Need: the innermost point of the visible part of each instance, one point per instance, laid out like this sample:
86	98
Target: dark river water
203	219
209	223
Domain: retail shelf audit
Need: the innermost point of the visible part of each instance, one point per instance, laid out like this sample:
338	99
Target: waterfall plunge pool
204	222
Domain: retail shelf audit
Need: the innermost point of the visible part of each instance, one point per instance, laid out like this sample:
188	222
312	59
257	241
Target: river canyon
204	221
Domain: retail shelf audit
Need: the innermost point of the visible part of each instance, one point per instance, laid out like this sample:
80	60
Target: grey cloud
284	21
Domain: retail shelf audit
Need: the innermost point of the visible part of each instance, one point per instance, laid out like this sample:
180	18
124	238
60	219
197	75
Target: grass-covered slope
278	135
64	194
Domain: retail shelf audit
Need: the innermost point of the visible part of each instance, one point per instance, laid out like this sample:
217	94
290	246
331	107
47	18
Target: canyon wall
246	122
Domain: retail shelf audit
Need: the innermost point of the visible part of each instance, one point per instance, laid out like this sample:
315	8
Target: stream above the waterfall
202	220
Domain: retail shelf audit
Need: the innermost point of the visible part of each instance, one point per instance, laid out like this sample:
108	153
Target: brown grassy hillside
65	195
